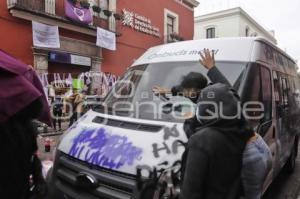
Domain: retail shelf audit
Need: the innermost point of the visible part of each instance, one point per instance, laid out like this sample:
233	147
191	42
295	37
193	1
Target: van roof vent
127	125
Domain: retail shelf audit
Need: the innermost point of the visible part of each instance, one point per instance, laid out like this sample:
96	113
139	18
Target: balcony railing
54	9
44	6
50	6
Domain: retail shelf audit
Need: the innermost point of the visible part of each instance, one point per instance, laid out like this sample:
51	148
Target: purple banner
77	13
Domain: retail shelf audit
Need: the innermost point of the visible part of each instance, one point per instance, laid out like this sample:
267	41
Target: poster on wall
77	13
106	39
45	36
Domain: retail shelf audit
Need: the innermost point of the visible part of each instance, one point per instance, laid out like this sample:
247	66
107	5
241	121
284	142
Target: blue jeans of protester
257	162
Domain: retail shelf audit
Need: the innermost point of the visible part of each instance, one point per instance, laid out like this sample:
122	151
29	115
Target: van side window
266	93
282	93
259	89
253	94
296	92
292	84
277	93
255	82
276	87
285	92
269	54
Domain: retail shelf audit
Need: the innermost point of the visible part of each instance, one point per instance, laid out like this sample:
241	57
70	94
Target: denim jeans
257	162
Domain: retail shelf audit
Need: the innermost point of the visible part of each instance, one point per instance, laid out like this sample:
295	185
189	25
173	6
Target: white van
101	154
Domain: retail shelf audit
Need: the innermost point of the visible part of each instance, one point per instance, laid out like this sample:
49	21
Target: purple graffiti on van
101	148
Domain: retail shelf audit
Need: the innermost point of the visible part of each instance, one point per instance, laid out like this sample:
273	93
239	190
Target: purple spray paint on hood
19	87
78	14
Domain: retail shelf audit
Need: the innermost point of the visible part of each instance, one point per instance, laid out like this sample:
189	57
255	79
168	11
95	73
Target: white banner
80	60
45	36
106	39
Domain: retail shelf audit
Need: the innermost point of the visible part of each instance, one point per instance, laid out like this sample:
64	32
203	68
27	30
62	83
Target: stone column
112	21
97	60
96	64
95	68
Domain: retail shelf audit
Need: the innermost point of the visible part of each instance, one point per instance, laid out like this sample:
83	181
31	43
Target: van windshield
133	95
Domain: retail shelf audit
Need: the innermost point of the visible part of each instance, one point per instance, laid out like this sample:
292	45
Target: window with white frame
171	25
247	31
211	33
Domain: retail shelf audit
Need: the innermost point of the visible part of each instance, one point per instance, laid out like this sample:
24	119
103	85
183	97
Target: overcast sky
278	15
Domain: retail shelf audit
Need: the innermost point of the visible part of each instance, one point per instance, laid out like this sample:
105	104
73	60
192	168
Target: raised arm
208	61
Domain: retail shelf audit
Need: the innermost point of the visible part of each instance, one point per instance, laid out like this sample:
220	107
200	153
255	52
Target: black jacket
213	164
215	151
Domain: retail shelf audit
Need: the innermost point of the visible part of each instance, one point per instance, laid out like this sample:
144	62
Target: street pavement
286	186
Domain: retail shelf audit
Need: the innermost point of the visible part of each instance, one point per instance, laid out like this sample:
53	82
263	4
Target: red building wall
132	43
16	34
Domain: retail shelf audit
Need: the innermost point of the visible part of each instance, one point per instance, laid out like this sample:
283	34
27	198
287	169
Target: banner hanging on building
77	13
45	36
106	39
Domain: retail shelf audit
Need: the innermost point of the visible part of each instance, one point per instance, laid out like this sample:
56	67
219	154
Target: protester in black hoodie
215	154
257	158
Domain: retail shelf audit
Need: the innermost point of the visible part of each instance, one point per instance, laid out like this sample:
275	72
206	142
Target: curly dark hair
194	80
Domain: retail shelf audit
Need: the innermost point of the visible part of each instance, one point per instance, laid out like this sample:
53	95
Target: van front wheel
291	163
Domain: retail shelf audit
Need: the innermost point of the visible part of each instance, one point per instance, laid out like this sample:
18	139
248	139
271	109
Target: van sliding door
266	126
258	89
282	102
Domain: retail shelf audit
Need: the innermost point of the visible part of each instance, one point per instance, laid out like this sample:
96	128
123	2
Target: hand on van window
207	58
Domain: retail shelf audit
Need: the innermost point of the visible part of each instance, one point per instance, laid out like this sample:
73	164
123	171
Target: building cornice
54	21
189	4
194	3
219	14
260	27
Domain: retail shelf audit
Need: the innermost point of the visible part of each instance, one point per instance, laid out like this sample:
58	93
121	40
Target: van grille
127	125
111	185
